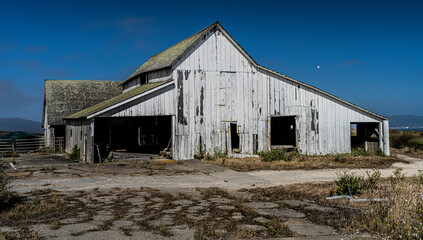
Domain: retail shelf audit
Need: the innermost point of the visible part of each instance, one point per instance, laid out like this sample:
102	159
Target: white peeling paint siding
78	133
158	103
216	85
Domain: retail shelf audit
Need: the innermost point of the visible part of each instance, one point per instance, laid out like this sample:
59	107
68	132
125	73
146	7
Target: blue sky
369	52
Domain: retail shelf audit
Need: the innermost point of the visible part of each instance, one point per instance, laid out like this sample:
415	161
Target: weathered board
215	83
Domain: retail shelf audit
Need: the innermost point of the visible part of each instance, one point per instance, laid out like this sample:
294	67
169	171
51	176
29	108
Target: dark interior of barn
365	135
282	130
148	135
234	138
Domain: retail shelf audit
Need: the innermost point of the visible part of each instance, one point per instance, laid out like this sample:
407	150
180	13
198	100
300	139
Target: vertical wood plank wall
219	85
214	84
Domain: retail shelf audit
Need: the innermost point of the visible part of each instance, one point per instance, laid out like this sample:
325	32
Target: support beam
386	147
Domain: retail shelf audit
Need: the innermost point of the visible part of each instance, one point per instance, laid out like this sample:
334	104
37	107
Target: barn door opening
365	135
234	138
283	132
148	135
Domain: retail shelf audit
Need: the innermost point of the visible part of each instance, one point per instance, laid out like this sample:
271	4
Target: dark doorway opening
148	135
365	135
234	138
283	132
59	131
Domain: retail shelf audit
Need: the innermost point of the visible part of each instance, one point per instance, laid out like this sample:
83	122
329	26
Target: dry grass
306	163
400	216
408	151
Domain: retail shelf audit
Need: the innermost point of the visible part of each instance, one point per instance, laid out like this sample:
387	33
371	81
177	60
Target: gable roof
65	97
169	56
115	100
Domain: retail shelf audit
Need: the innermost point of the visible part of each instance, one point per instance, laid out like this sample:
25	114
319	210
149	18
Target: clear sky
369	52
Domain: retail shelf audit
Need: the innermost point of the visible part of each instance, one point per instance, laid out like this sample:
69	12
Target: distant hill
19	124
405	121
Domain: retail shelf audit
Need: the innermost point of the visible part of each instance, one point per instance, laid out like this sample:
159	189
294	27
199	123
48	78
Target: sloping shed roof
169	56
65	97
117	99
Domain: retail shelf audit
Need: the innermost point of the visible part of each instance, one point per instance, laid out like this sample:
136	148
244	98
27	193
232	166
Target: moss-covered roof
65	97
117	99
170	55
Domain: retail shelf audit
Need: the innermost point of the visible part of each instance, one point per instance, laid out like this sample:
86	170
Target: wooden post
386	147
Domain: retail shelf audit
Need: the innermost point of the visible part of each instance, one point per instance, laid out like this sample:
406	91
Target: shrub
277	155
416	144
397	178
400	139
359	152
219	153
379	152
372	180
5	194
348	184
75	153
200	152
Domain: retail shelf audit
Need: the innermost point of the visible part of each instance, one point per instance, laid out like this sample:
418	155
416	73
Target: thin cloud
351	62
22	63
129	24
35	49
12	97
135	24
72	57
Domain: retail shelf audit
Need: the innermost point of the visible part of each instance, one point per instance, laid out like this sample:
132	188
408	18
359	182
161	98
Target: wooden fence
8	146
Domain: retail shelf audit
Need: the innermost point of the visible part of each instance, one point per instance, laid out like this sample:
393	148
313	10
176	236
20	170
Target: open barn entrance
234	138
148	135
365	135
283	132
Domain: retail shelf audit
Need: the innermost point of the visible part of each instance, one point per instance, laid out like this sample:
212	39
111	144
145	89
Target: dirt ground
60	199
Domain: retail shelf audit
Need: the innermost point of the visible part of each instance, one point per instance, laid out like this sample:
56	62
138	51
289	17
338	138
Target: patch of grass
277	155
164	231
348	184
74	155
400	215
307	162
126	231
55	225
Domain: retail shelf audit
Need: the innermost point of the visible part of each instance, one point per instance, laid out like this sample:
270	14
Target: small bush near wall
277	155
74	155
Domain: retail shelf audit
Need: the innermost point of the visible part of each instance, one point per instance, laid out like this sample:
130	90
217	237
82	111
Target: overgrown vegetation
350	184
74	155
277	155
217	154
5	194
399	215
294	161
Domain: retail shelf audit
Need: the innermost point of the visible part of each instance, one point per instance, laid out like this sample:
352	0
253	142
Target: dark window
283	131
234	138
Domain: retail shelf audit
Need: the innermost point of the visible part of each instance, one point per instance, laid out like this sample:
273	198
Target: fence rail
8	146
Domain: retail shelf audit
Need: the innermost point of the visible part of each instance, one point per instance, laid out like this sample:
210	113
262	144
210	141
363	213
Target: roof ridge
170	54
187	38
88	80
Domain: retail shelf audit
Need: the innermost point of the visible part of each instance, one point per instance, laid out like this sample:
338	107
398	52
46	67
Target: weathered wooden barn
64	97
206	92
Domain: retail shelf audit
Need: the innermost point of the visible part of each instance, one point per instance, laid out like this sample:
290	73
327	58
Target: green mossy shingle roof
170	55
117	99
65	97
